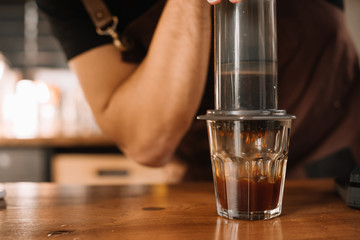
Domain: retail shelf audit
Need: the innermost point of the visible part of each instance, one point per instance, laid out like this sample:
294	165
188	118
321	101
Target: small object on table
2	191
349	189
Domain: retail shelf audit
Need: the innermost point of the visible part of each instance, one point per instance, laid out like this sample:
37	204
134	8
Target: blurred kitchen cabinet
22	165
29	160
104	169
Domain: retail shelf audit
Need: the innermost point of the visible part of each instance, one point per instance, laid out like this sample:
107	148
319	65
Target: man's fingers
214	2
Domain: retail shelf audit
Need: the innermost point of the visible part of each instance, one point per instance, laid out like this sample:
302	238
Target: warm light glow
47	112
45	107
25	118
2	68
33	105
42	92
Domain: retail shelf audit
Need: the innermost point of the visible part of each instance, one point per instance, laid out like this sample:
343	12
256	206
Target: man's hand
213	2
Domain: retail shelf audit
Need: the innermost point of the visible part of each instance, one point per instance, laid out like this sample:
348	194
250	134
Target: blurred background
47	131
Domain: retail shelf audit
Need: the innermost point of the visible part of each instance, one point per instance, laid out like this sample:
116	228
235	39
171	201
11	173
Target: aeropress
248	135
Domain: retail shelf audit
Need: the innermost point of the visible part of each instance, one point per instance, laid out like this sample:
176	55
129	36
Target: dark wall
37	48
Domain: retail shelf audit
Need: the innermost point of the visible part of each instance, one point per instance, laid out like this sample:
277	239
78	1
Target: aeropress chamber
248	135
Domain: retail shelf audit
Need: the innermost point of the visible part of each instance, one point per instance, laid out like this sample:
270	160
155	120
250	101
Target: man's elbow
151	155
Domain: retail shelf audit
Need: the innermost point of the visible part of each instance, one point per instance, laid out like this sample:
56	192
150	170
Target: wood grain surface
311	210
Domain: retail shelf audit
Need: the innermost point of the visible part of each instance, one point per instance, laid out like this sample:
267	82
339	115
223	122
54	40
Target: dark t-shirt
318	76
72	25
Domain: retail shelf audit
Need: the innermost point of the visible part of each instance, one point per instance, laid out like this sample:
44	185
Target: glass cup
249	164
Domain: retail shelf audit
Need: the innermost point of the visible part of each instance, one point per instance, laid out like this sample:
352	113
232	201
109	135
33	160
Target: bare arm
147	108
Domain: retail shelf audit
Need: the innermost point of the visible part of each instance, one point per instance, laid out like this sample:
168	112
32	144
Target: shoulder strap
104	22
135	38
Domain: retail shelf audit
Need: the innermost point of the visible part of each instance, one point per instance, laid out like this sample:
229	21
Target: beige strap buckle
111	31
104	22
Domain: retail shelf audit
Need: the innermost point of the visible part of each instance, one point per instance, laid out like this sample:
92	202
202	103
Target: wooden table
311	210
